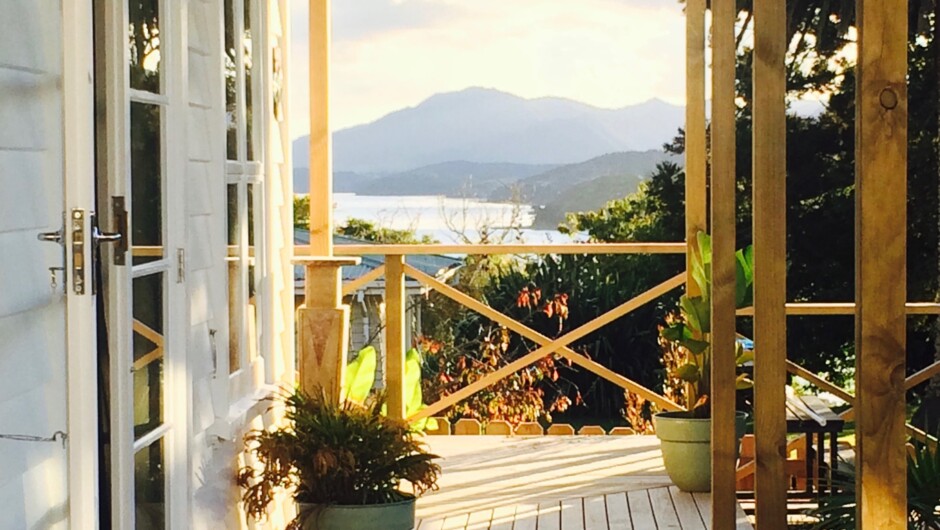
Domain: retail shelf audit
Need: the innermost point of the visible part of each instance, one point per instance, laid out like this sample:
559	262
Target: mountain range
557	154
486	126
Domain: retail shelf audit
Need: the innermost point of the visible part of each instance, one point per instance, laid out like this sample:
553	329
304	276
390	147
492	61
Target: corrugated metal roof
433	264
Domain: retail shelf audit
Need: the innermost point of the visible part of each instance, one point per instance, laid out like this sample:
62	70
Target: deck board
558	483
503	517
480	520
686	510
572	514
595	512
550	516
618	514
663	510
641	511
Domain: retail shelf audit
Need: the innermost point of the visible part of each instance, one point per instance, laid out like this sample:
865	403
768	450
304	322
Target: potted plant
686	435
343	463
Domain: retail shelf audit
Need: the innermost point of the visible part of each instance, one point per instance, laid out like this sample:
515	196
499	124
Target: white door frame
79	170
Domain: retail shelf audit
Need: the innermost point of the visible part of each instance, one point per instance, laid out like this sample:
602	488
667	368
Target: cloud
362	19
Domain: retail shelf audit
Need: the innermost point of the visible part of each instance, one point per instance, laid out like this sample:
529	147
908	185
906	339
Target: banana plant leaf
360	376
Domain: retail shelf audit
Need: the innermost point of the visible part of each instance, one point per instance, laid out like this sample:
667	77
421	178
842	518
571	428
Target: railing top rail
498	249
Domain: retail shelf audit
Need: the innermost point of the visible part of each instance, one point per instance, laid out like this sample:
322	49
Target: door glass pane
249	67
149	352
143	42
231	74
233	259
253	313
146	182
150	487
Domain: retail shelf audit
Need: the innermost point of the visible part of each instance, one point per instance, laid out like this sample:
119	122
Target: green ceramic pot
687	448
393	516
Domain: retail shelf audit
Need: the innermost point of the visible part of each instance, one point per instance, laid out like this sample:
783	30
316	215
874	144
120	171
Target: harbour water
446	220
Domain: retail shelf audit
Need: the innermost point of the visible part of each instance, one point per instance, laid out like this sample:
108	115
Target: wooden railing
396	270
394	254
395	318
153	355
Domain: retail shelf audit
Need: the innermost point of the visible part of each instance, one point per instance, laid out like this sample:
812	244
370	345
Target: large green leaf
360	375
681	333
744	277
697	312
413	397
701	264
688	372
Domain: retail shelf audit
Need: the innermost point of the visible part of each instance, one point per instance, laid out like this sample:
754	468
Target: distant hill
343	181
548	187
451	179
454	179
485	125
587	197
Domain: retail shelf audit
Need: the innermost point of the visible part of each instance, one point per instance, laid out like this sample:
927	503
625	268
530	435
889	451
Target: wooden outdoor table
810	416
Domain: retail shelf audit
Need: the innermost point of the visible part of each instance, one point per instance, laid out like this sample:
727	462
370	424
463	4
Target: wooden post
323	320
321	143
395	335
696	208
723	333
881	263
770	261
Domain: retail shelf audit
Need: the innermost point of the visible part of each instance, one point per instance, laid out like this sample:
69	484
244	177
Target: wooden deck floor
557	483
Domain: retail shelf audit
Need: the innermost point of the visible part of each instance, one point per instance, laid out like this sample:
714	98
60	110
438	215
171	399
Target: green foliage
591	285
691	331
837	510
302	212
820	180
334	454
369	231
358	228
360	376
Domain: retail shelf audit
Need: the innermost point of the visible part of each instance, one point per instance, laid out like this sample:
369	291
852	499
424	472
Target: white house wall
220	419
33	475
210	460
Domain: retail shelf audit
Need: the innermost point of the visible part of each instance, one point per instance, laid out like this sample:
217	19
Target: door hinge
180	265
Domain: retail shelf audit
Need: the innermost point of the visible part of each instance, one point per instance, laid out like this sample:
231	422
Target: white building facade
146	289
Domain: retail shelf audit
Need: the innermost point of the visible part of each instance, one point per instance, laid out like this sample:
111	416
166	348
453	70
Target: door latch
119	213
77	223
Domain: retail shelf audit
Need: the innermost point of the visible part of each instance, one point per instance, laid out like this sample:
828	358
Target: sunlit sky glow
391	54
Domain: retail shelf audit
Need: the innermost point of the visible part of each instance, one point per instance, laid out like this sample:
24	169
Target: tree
369	231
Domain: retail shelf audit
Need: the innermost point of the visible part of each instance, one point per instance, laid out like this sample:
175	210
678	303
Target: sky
392	54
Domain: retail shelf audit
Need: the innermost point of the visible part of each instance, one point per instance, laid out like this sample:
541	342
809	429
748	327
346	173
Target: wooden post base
323	336
323	326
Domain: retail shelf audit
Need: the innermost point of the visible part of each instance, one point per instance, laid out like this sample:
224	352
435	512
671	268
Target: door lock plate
77	226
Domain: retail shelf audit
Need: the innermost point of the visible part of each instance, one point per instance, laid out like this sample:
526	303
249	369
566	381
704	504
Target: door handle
51	237
105	237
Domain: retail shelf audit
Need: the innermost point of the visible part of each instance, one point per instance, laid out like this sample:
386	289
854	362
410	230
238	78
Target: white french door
141	107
